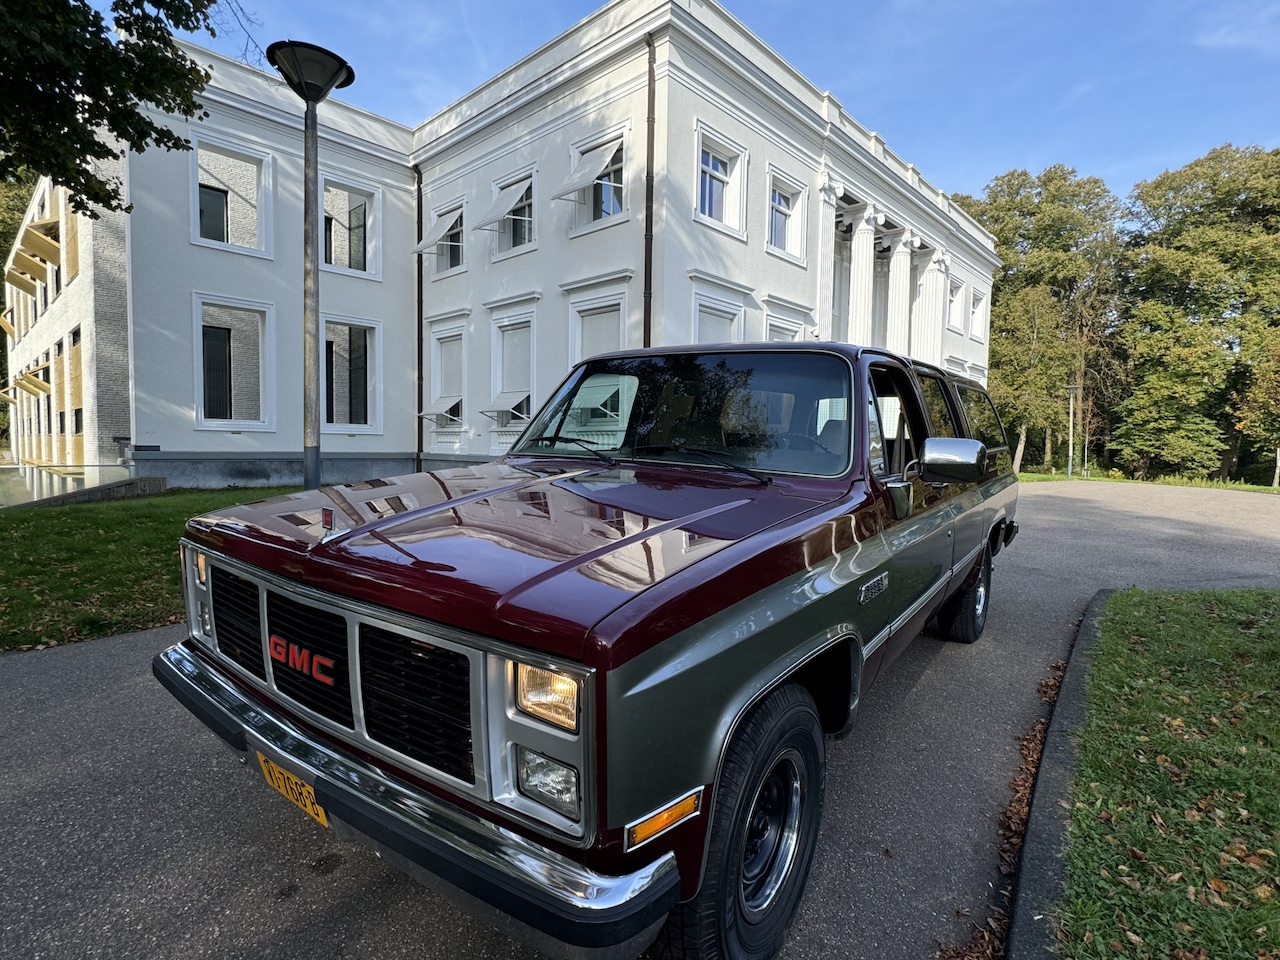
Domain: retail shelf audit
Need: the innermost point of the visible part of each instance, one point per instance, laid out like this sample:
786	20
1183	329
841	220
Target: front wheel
764	827
964	616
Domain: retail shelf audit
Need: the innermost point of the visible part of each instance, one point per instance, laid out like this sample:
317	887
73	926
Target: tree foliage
1205	252
1054	297
73	88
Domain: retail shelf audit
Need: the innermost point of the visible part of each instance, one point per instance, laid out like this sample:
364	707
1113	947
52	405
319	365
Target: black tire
964	617
764	828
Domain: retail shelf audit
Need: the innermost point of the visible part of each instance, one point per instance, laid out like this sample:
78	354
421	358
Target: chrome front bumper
523	889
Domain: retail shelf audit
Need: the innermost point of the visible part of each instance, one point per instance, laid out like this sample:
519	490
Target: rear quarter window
984	422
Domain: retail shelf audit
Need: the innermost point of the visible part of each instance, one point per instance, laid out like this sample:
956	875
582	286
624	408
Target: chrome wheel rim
980	595
772	836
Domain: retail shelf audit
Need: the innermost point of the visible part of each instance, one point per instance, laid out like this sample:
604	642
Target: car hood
530	554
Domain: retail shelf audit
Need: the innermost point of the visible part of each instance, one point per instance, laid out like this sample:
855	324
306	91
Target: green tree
1167	423
73	88
1055	296
1205	250
1259	407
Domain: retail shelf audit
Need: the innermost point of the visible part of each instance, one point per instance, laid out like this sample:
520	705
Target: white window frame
582	209
956	314
980	303
448	210
581	307
440	329
735	200
735	313
372	225
498	251
793	248
501	323
266	364
374	374
266	191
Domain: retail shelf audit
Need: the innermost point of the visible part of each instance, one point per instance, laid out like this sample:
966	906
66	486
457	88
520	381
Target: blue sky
1120	89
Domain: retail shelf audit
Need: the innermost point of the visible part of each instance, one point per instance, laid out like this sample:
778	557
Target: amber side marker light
664	819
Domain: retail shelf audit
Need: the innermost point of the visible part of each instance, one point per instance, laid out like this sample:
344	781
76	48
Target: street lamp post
311	72
1071	428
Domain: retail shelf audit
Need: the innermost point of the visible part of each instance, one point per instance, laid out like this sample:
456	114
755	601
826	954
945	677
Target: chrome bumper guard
523	889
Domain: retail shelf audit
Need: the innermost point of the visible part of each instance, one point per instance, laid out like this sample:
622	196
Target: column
862	266
898	334
830	191
927	318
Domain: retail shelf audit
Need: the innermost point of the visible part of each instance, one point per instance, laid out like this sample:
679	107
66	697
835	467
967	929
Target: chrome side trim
876	643
972	555
574	890
920	604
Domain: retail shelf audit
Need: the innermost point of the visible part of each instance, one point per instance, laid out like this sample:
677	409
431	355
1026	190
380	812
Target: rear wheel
964	616
764	827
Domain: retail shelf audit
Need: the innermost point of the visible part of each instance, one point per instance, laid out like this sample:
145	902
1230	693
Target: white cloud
1242	25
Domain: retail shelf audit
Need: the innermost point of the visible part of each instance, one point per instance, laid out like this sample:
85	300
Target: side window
984	422
894	414
940	413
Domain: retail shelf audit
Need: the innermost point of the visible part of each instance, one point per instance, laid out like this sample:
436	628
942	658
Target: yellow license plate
300	794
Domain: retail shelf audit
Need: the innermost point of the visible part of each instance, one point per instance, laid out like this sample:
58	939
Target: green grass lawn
1176	820
90	570
1202	482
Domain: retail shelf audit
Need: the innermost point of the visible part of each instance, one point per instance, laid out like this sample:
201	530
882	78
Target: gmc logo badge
301	659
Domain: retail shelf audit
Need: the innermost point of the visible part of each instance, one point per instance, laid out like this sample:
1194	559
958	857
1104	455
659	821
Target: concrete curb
1041	871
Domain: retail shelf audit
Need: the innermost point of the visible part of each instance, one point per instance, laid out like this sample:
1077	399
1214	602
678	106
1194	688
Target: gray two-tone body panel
677	703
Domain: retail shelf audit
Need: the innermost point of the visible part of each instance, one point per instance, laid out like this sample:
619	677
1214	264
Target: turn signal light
664	819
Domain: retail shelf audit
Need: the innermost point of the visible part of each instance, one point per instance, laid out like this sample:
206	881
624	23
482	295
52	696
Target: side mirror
953	460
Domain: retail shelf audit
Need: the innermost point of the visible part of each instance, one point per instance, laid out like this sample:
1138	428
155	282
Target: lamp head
311	71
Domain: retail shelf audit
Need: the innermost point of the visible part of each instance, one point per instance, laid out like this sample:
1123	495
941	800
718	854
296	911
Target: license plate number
300	794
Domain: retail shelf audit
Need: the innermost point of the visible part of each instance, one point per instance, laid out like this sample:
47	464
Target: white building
655	175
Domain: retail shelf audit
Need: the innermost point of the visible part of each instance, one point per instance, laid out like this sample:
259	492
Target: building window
233	357
978	317
779	217
778	330
716	323
512	370
350	224
606	191
511	216
450	252
786	216
217	372
598	327
721	179
517	226
713	184
213	213
350	374
231	198
447	365
955	311
77	420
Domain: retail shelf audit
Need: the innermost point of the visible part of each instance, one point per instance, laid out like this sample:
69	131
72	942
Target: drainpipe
651	122
417	320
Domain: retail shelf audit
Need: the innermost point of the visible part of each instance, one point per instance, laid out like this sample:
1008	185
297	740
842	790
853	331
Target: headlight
550	783
547	695
201	567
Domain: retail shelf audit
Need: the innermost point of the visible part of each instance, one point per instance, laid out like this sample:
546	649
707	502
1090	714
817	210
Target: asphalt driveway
126	830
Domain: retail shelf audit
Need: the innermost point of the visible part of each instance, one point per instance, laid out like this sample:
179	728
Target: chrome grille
415	697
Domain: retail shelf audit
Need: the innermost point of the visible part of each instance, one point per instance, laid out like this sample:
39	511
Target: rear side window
935	401
984	422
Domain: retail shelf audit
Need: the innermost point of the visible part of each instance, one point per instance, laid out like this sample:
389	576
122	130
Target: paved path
127	831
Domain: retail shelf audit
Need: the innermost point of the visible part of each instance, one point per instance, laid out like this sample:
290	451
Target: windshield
776	412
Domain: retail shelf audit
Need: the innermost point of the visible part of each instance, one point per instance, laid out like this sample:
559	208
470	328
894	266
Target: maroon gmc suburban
583	690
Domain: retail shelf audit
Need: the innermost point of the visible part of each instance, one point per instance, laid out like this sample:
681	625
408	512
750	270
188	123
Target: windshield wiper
711	455
587	445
